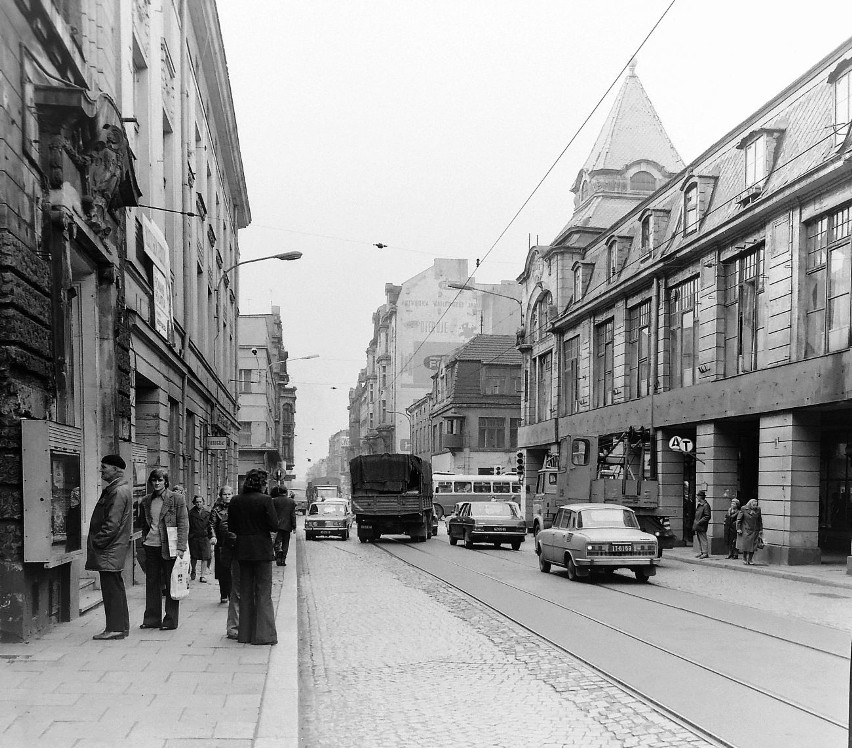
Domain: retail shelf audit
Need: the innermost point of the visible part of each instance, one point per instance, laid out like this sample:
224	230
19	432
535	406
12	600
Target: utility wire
540	182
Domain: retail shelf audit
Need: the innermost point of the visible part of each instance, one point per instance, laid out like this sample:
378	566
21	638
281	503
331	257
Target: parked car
601	538
487	522
660	528
328	518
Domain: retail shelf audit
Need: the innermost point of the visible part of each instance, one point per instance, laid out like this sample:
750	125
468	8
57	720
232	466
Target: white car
587	538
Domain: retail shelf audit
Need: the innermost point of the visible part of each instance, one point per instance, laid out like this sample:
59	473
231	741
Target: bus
450	489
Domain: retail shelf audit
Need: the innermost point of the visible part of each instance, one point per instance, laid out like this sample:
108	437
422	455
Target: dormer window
646	237
842	105
611	259
755	162
643	180
690	209
578	283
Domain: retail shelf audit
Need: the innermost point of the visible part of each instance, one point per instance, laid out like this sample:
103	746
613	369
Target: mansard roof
489	349
632	132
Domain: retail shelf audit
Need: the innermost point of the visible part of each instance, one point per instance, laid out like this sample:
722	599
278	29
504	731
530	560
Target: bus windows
444	486
482	487
503	487
463	487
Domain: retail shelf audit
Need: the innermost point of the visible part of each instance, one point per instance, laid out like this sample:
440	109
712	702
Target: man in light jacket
108	544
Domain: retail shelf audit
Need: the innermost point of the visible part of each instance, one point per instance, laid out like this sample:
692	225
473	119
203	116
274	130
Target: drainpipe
189	275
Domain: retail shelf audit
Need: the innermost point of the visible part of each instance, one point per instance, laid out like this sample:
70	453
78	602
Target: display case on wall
53	517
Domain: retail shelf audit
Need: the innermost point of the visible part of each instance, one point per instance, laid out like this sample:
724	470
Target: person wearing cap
701	523
109	543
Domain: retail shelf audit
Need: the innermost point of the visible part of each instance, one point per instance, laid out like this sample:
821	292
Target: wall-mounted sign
217	442
681	444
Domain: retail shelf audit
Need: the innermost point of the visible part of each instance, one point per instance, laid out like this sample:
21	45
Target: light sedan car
326	518
487	522
587	538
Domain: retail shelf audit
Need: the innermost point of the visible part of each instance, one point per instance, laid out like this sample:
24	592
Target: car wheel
345	535
516	545
362	538
468	540
642	575
543	566
497	545
536	529
572	569
453	540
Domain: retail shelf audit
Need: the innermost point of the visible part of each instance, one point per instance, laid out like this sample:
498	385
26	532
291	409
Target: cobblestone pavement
390	656
717	578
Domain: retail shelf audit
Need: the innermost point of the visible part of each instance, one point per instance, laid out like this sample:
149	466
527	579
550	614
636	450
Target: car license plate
621	548
499	529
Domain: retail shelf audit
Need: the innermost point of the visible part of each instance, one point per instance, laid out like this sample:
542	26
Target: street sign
681	444
217	442
289	476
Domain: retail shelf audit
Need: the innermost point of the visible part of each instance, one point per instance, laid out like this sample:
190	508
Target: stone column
789	487
716	473
670	481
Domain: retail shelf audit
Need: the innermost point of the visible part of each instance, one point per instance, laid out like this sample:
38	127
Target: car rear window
330	509
608	518
494	509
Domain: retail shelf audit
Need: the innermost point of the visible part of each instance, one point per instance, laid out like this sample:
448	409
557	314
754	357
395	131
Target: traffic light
497	470
520	463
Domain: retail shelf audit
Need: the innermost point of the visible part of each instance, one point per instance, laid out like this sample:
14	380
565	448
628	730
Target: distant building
469	422
421	322
267	403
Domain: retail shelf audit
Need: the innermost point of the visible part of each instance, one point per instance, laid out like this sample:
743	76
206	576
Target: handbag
760	543
179	583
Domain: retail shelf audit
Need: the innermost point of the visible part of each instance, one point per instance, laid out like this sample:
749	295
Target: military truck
391	495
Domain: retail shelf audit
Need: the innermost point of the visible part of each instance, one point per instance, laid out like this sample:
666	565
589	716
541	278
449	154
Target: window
580	449
544	365
683	333
842	105
534	324
514	424
578	284
639	349
828	282
604	350
245	380
384	411
690	209
570	399
372	393
384	376
492	433
744	313
643	180
245	433
497	380
482	486
174	437
544	315
611	260
645	242
755	161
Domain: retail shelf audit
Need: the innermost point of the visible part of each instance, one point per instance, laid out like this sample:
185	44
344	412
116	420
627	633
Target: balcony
452	442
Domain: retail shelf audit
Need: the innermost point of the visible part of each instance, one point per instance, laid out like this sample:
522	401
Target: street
427	644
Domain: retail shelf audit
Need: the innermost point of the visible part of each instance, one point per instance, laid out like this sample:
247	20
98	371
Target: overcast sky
426	125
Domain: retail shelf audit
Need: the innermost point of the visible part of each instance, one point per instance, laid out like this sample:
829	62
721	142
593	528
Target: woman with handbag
749	529
165	529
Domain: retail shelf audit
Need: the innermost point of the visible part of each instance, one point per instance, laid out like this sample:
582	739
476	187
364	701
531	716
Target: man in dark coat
252	519
285	509
108	544
701	523
200	534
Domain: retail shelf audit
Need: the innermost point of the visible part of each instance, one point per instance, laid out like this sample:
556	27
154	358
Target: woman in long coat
749	527
731	528
161	509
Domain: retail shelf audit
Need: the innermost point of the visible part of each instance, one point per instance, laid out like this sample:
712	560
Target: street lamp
280	256
287	360
465	287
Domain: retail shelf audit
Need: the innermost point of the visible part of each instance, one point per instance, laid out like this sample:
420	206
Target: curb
278	722
769	572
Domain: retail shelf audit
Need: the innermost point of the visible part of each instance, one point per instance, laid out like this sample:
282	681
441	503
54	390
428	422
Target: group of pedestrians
743	528
238	531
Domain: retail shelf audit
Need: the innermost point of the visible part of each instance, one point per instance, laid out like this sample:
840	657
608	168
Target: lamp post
280	256
465	287
286	360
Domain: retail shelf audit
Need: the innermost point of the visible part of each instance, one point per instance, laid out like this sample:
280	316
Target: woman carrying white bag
165	531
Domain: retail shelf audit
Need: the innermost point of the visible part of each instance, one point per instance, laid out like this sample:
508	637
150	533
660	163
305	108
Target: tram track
690	661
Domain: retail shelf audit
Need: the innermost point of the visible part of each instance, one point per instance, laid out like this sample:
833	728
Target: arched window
584	190
643	180
543	309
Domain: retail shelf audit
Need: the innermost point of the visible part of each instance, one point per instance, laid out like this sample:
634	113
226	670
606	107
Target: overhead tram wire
538	185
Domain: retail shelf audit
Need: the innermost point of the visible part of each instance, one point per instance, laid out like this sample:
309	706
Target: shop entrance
835	495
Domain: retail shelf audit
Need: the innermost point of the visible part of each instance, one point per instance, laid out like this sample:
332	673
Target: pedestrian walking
285	510
731	528
252	518
749	529
108	544
200	537
701	523
222	554
164	537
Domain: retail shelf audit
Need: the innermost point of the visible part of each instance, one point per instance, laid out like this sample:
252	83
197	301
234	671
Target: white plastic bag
179	585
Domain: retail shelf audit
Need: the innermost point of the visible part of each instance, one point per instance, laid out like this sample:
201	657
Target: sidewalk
155	689
828	575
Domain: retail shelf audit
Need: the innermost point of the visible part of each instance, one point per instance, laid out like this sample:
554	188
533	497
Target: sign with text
217	442
681	444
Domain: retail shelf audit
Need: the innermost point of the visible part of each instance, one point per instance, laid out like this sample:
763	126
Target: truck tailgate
386	504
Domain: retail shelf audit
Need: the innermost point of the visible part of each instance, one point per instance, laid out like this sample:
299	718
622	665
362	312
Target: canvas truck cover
389	473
